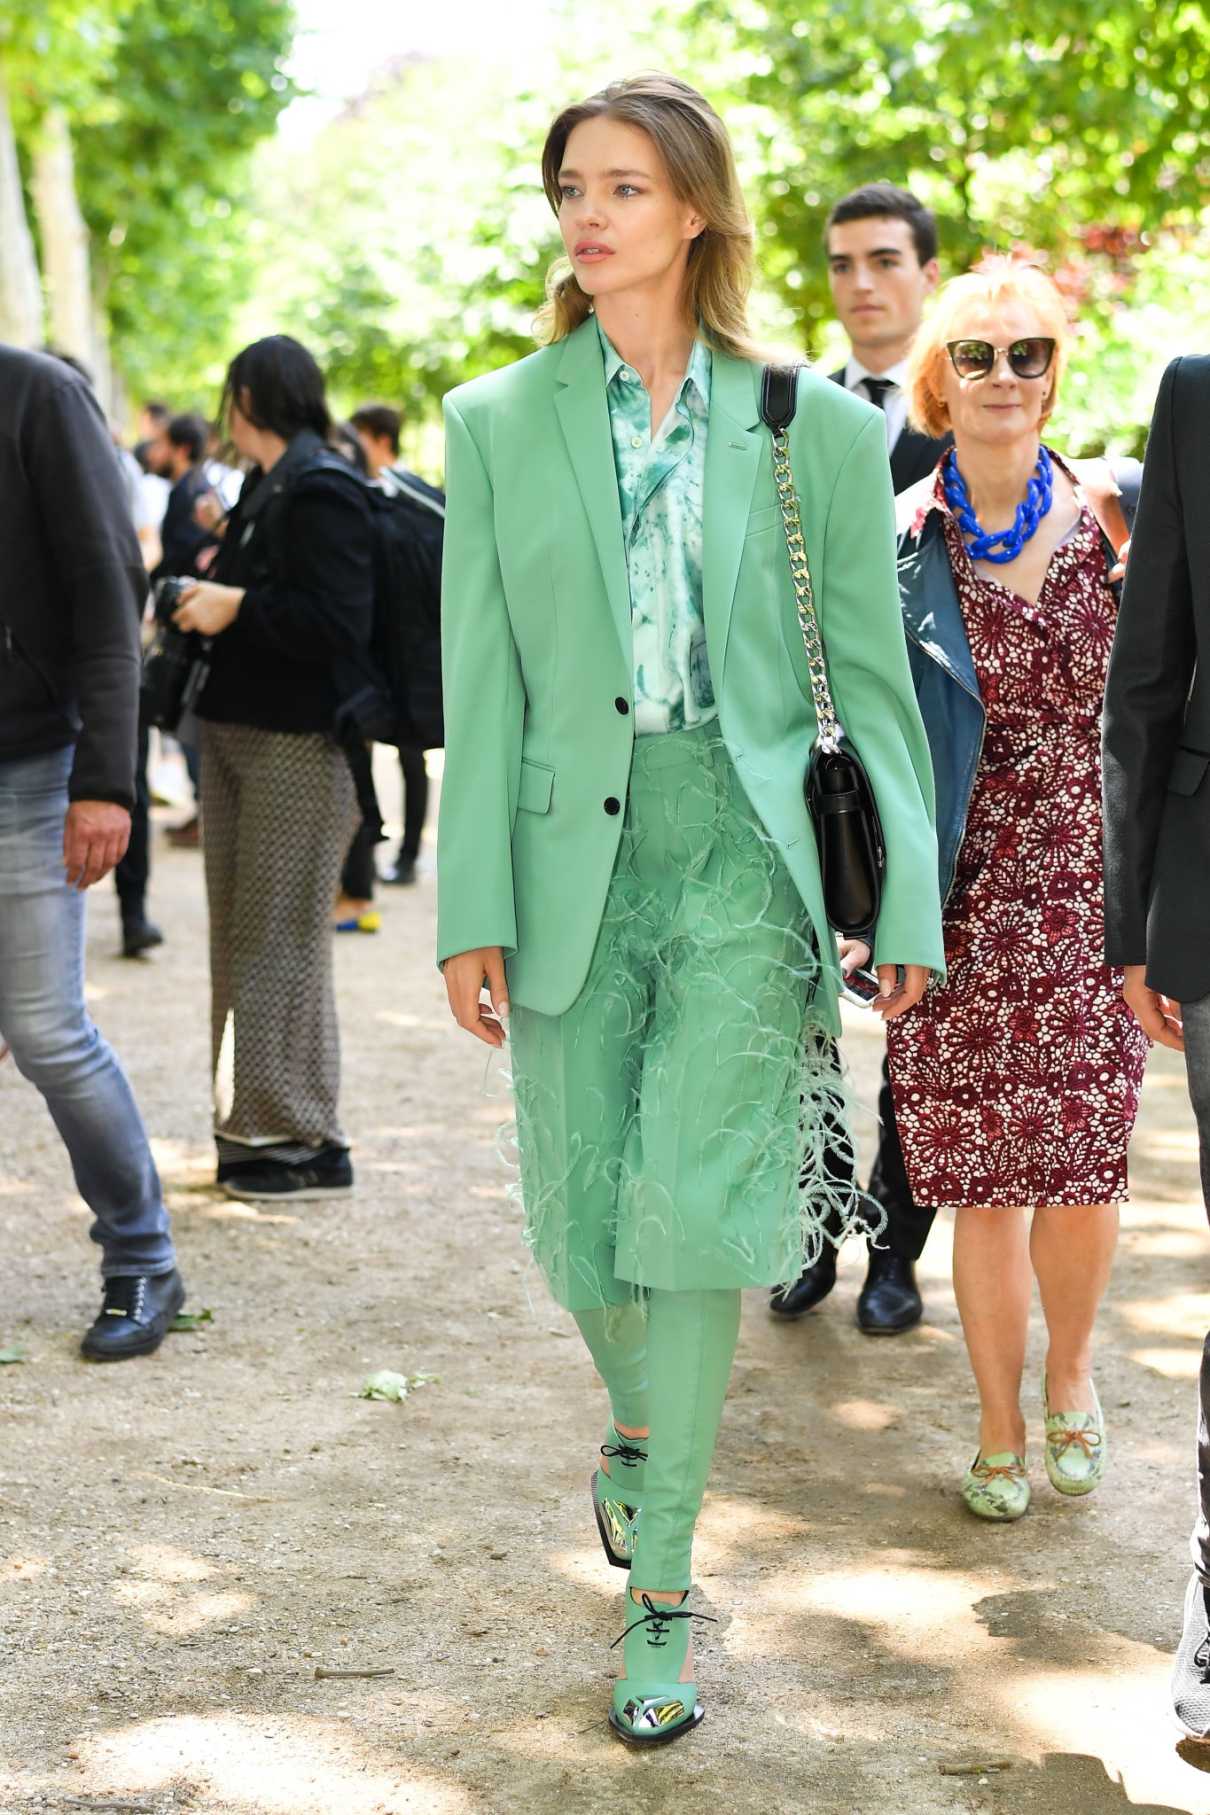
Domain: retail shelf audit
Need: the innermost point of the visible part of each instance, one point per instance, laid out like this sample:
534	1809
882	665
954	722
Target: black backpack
399	700
409	520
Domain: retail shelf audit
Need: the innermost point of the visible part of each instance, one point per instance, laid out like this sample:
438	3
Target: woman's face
623	226
1000	408
244	438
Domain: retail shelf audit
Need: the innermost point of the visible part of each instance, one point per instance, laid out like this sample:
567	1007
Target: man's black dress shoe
135	1315
889	1301
809	1289
402	872
139	936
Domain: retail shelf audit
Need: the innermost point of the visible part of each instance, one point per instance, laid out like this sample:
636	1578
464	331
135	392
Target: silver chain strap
804	593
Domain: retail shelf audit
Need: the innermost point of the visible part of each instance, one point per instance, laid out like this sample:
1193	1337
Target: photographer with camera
288	613
69	676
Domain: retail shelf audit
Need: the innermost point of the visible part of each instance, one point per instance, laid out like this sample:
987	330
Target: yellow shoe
1076	1447
997	1487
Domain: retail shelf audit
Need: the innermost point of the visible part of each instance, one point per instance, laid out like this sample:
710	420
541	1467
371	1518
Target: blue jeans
53	1040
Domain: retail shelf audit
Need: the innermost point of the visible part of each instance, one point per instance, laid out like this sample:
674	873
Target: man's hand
95	836
895	998
208	607
465	975
1158	1016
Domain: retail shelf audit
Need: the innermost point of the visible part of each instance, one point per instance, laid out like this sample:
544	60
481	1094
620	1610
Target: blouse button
613	806
636	441
623	706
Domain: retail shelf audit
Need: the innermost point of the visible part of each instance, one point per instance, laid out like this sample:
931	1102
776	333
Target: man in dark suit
881	246
1157	836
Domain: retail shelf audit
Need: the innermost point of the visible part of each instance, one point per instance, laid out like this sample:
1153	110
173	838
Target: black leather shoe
135	1316
402	872
327	1173
139	936
809	1289
889	1301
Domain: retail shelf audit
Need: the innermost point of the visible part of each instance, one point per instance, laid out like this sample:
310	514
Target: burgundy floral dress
1018	1080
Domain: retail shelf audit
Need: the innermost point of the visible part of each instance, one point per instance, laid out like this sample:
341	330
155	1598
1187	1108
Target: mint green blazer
538	663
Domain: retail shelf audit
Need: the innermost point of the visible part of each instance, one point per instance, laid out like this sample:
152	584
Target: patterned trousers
278	811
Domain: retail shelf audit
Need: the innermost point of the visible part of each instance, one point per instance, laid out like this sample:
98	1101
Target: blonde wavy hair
994	280
697	155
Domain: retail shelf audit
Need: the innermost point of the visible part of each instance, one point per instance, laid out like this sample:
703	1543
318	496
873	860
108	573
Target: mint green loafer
1076	1447
650	1706
997	1487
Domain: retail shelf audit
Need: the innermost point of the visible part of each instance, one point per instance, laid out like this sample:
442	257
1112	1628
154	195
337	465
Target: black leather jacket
73	584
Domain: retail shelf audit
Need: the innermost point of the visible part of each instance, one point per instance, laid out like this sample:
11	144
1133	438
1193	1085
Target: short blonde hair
993	281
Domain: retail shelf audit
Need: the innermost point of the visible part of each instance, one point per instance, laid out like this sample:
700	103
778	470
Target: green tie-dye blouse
660	483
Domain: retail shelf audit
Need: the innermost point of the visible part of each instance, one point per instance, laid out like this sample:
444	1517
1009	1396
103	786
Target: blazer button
613	805
622	705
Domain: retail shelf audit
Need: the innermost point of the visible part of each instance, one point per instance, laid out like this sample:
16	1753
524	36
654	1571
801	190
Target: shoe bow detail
658	1621
628	1454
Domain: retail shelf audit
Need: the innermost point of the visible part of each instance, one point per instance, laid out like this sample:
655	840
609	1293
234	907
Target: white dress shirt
855	375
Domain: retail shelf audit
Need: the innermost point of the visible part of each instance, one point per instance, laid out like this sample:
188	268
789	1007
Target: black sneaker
135	1316
326	1173
402	872
139	936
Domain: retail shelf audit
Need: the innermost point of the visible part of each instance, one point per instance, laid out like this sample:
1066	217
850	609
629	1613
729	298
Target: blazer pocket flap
537	782
1188	768
763	519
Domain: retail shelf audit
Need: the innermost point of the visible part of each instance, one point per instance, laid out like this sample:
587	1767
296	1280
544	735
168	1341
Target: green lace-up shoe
997	1487
1076	1447
650	1706
616	1497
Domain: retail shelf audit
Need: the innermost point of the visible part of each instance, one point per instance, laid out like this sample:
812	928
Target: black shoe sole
617	1561
805	1311
888	1329
144	1345
657	1739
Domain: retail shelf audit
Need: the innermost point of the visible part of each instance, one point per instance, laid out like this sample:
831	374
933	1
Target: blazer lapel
733	450
584	419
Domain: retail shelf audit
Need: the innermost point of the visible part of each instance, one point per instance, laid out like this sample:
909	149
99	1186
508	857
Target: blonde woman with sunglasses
1016	1082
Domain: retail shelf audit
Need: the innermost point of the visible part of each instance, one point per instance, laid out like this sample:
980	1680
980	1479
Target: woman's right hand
465	975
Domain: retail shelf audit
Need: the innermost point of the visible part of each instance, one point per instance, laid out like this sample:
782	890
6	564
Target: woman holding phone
625	859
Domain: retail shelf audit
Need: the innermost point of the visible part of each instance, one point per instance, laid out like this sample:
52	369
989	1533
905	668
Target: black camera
176	663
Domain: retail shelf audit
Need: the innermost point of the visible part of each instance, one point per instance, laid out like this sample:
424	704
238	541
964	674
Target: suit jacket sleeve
874	697
1150	672
484	700
102	583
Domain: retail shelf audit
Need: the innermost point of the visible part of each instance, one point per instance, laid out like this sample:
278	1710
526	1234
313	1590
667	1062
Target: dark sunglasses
977	358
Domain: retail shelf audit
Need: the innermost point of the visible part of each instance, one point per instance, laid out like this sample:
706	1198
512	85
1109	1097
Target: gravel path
197	1550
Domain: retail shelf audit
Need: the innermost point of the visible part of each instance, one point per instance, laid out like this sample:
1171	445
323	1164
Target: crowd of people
668	562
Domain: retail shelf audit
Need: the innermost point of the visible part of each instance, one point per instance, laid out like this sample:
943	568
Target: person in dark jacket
881	246
1157	837
290	611
69	682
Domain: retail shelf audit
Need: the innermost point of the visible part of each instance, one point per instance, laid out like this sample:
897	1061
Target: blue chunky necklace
999	545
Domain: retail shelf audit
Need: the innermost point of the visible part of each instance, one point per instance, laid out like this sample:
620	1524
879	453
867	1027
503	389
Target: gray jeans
1196	1017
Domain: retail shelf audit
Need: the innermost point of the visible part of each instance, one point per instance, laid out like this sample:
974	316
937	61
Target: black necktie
878	388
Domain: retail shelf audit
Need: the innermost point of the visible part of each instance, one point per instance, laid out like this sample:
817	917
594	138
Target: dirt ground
188	1542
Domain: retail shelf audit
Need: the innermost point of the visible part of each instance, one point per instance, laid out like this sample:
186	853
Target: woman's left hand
895	997
208	607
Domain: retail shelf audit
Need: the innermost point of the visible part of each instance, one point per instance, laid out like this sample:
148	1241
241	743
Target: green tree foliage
1018	121
163	171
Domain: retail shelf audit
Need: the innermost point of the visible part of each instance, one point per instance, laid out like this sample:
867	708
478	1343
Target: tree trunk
20	286
64	238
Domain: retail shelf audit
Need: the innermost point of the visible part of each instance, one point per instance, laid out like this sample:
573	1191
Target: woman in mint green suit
625	859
